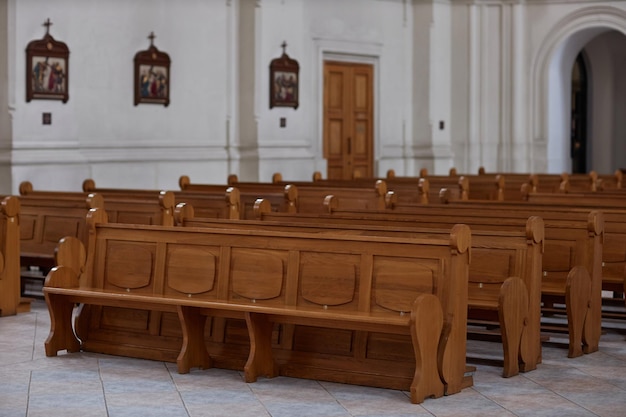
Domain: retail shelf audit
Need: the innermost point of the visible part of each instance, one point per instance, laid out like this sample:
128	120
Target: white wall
370	31
219	119
480	66
99	132
5	91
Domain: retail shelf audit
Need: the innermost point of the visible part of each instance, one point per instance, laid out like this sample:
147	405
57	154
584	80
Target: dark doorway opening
578	139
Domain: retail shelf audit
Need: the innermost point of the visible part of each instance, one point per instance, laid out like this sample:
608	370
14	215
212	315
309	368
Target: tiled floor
85	384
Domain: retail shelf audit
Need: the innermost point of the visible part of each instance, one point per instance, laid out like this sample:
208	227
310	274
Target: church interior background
462	83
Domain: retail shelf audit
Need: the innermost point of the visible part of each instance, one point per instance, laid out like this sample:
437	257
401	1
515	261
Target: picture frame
152	76
284	81
47	68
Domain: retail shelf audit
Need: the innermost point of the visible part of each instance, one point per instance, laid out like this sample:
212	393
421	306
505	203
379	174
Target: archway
584	30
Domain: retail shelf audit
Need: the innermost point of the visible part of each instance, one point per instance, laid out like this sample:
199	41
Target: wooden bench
465	186
616	199
350	283
614	248
569	241
504	275
10	299
45	219
311	194
48	216
613	181
134	206
591	181
226	205
281	197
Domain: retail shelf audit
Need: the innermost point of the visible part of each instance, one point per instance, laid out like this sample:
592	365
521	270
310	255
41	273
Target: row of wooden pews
509	278
608	197
337	192
613	208
526	266
367	332
481	186
565	248
568	242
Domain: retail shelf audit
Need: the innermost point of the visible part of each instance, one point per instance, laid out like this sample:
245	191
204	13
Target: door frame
348	52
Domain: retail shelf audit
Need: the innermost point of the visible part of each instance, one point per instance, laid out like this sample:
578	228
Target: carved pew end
578	303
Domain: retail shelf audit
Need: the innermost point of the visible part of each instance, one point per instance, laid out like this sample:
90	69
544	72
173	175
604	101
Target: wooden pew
45	219
591	181
570	240
48	216
11	302
427	186
142	207
369	193
387	190
354	284
226	205
613	181
504	276
529	182
472	187
616	199
613	205
282	198
559	206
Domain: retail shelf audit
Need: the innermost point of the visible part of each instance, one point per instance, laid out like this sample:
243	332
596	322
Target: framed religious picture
152	76
47	68
284	81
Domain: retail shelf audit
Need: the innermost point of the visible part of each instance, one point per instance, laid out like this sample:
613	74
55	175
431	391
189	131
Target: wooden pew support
11	302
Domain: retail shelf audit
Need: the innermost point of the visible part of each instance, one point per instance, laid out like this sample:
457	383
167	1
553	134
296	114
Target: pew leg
261	360
577	303
194	351
82	319
513	314
592	328
426	329
61	334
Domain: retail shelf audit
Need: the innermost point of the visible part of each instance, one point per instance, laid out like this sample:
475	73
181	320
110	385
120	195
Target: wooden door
348	120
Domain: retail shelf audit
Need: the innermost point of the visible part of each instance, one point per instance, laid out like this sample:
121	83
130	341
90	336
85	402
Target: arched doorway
600	34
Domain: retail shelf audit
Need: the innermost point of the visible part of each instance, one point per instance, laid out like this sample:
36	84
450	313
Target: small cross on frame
284	46
151	37
47	24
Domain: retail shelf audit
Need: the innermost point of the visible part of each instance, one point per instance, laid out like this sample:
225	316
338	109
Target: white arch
551	81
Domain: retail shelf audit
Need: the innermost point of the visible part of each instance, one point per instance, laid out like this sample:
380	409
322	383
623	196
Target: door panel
335	135
348	120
